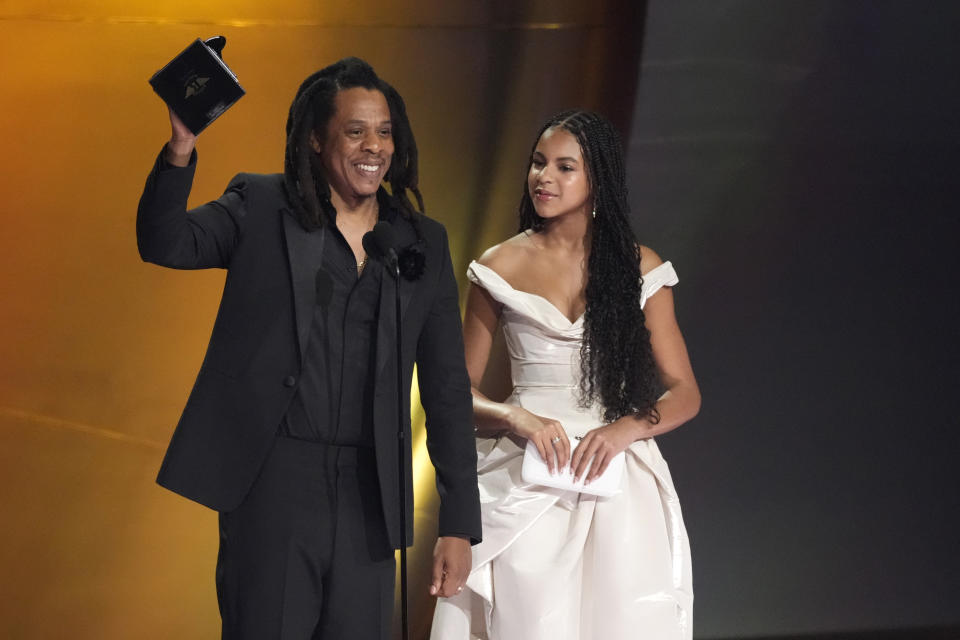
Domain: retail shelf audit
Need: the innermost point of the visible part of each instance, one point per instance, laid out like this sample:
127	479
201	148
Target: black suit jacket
254	358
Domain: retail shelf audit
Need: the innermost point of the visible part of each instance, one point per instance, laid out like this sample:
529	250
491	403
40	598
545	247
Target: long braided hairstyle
307	188
616	359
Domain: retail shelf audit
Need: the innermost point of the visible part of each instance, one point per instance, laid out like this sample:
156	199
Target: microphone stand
379	241
401	453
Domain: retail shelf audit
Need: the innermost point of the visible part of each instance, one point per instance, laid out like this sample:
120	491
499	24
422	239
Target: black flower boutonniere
411	261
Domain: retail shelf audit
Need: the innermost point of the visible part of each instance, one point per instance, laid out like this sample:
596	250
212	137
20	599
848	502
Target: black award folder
197	84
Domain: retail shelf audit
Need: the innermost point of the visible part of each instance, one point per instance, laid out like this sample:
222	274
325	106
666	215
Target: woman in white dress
597	359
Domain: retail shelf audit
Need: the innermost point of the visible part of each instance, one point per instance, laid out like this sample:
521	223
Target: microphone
380	243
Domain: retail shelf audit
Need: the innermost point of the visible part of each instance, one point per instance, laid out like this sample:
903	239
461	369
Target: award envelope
197	85
534	471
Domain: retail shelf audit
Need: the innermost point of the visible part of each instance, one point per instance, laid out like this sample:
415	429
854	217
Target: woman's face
557	181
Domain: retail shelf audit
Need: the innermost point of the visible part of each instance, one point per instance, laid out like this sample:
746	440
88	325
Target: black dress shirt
334	398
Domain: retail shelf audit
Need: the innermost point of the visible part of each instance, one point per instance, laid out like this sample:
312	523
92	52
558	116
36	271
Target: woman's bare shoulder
649	260
508	256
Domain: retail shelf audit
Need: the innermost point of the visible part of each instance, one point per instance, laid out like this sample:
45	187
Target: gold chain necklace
376	214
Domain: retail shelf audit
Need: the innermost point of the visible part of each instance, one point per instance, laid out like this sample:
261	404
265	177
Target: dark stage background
797	160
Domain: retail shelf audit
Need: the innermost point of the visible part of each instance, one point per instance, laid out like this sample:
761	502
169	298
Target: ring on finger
555	439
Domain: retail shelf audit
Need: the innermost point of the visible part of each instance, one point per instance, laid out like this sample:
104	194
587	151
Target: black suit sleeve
445	395
171	236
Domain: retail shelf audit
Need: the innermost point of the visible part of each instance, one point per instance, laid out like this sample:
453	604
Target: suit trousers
306	556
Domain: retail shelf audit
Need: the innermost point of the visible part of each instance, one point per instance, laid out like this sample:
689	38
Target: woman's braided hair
616	358
307	188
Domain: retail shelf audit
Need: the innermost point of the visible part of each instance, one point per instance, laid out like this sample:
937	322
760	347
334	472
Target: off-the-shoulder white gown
559	565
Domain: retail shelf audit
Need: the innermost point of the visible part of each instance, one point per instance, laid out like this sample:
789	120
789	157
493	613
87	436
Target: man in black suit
290	431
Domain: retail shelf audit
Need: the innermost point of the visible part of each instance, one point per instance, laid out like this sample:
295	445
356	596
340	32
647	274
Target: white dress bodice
544	345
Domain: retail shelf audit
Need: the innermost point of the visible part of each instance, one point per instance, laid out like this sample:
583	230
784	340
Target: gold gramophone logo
195	86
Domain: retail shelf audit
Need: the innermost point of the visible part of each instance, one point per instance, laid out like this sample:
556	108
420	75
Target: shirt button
289	381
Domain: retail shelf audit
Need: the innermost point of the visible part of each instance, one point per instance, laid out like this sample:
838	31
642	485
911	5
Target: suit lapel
305	253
